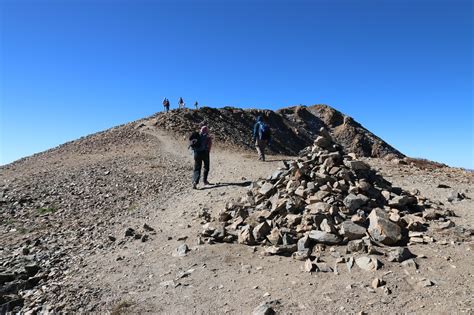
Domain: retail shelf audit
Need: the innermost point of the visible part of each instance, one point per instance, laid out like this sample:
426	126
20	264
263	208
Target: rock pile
324	197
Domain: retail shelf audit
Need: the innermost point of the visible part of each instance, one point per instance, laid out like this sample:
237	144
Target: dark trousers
199	158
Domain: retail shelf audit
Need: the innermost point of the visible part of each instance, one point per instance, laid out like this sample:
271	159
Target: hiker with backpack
261	137
201	144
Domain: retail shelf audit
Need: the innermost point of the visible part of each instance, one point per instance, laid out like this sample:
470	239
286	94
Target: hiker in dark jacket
261	137
166	104
201	145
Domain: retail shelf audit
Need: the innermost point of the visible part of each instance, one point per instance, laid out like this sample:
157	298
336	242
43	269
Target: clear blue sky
402	68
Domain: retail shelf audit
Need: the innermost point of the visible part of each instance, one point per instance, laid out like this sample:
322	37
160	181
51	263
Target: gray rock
274	237
266	189
304	243
354	202
285	250
261	230
423	283
327	226
263	309
410	264
356	246
246	236
377	282
352	231
367	263
382	229
455	196
301	254
350	263
276	175
357	165
399	254
324	237
182	250
446	225
322	267
402	201
309	266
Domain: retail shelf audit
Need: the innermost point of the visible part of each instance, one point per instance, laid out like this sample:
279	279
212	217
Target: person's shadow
217	185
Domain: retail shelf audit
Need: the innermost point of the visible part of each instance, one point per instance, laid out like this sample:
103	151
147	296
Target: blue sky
401	68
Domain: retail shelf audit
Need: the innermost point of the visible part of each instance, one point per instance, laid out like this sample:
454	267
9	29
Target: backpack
195	141
264	132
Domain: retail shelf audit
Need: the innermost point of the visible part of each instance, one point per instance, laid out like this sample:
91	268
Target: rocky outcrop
293	128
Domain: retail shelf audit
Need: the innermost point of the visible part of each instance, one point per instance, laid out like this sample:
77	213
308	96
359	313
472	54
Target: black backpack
264	132
195	141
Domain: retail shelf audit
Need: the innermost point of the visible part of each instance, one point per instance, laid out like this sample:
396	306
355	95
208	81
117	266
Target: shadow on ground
217	185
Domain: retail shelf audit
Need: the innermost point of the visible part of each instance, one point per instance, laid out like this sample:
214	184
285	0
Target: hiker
196	105
181	103
201	144
166	104
261	137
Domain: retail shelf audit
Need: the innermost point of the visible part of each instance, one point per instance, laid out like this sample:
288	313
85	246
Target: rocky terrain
294	128
110	223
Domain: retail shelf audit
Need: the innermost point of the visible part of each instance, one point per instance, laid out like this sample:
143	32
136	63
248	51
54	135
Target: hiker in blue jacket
261	137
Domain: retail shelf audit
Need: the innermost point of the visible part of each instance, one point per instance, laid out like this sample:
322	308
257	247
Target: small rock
263	309
32	269
377	282
147	227
367	263
182	250
423	283
410	264
399	254
129	232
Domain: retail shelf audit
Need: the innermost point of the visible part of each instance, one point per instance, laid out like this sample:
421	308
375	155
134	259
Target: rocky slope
294	128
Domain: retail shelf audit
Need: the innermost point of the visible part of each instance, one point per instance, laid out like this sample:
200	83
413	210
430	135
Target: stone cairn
324	197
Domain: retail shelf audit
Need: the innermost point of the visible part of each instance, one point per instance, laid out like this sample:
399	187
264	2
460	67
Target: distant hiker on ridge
196	105
201	144
166	104
262	136
181	103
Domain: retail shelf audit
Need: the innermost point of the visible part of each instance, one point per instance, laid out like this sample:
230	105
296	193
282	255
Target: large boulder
382	229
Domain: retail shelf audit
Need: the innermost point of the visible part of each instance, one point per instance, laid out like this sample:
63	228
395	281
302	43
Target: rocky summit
294	128
335	220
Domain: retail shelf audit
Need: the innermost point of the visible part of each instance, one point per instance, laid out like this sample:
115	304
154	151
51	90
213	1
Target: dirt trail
228	278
